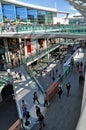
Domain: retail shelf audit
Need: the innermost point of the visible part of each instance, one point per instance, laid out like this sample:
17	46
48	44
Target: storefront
2	54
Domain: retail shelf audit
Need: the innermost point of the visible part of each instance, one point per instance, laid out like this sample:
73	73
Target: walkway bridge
46	31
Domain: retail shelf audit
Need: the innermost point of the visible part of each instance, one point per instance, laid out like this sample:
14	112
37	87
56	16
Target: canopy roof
80	5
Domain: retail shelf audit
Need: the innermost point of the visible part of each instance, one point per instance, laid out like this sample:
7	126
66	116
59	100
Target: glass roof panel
80	5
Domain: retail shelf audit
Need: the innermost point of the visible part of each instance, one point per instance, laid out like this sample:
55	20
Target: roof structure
18	3
80	5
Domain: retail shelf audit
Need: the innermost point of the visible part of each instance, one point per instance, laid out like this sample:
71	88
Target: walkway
24	89
64	115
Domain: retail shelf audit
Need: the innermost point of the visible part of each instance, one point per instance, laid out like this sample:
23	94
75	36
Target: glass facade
1	18
49	18
32	16
12	12
41	17
9	12
76	21
13	44
21	13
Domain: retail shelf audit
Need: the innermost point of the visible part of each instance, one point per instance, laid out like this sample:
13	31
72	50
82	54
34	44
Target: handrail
32	58
23	28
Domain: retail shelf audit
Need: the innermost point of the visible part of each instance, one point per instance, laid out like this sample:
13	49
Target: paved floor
24	89
8	114
64	115
65	111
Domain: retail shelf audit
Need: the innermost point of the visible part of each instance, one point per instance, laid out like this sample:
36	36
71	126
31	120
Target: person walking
12	62
20	75
35	97
60	91
53	78
38	111
18	61
41	121
24	106
56	70
45	100
68	86
16	75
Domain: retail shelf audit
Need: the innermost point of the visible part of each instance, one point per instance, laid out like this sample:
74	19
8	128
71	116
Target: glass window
13	44
21	13
41	16
32	15
1	18
9	12
49	18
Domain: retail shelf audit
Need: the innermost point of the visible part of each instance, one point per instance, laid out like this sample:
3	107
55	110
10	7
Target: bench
16	126
51	90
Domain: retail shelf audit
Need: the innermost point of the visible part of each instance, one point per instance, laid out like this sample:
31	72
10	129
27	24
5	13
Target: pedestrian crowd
40	116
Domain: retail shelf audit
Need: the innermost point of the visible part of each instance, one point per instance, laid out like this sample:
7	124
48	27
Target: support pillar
7	54
37	46
25	47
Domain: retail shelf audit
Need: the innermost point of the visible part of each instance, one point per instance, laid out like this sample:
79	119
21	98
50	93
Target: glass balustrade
5	79
65	74
36	56
72	29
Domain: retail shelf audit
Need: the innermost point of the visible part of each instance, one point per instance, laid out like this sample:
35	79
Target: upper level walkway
34	31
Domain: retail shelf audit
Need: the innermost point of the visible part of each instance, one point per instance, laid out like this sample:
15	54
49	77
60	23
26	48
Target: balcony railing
5	79
31	58
25	28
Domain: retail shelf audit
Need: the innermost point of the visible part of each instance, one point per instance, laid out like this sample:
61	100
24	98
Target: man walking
68	86
45	100
60	91
41	121
38	111
35	97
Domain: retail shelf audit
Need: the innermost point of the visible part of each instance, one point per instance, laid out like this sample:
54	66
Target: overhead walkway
44	52
29	59
35	31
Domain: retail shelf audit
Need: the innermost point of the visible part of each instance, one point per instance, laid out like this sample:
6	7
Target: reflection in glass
13	44
49	18
1	19
32	16
41	16
21	13
9	12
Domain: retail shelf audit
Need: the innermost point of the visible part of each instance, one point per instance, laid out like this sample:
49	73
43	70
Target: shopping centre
33	42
